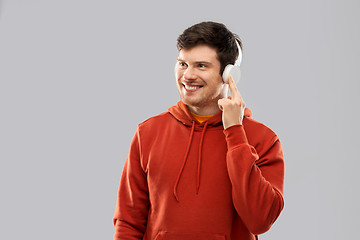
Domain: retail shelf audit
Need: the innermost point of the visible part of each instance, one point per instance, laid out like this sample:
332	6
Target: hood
183	115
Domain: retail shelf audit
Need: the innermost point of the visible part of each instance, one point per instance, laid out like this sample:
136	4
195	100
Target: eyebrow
197	62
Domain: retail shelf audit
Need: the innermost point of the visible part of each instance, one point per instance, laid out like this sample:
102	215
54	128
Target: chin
194	102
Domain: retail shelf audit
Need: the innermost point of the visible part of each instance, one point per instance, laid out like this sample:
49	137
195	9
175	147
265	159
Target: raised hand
232	107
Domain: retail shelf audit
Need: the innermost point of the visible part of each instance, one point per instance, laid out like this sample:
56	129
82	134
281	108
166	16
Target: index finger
233	88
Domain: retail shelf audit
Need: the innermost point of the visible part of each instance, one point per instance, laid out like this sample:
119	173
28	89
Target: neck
204	111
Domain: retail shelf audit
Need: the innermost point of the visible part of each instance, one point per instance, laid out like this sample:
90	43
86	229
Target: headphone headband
233	70
239	58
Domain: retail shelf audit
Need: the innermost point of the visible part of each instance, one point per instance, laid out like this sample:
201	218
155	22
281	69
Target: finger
222	102
233	88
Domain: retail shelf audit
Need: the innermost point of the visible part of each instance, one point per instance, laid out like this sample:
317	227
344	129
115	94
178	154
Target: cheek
178	73
175	70
216	80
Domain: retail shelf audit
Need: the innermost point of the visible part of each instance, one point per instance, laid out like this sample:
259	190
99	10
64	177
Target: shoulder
155	124
153	129
258	134
156	120
256	127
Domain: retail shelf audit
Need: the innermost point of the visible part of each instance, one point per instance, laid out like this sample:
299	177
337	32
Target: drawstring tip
176	197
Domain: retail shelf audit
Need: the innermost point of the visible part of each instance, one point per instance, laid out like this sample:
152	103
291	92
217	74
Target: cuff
235	135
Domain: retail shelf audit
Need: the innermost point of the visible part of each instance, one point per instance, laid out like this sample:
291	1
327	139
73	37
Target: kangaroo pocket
163	235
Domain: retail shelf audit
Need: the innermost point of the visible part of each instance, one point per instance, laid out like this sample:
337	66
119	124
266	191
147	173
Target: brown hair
215	35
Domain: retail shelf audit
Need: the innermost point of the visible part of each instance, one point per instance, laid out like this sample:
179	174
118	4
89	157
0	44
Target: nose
189	74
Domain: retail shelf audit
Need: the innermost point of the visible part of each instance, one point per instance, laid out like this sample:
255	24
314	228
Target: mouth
191	87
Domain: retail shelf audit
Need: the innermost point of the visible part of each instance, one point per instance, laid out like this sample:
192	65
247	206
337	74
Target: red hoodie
184	180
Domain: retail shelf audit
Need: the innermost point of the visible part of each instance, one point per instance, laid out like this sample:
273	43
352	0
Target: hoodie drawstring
200	158
184	161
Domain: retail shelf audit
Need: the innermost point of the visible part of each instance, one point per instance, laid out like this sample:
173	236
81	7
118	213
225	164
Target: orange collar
199	118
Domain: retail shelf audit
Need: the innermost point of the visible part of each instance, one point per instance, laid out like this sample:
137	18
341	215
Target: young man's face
198	78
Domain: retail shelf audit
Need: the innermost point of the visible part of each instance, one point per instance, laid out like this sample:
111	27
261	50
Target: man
203	170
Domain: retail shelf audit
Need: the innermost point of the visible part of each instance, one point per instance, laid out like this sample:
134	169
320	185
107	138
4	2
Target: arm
132	205
257	179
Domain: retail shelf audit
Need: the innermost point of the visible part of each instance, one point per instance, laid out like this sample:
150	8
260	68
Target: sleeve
257	179
132	205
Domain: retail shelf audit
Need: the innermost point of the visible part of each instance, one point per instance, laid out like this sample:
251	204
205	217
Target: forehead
199	53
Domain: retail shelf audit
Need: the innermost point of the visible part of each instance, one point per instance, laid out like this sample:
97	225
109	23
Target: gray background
77	76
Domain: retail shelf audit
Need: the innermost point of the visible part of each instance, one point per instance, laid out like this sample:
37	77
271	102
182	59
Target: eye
201	65
182	64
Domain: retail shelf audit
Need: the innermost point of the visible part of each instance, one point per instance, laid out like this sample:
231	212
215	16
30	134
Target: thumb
220	103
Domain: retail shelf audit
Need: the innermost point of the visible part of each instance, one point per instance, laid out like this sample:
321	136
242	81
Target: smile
191	88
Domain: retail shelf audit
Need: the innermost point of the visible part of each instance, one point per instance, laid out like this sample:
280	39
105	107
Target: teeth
191	87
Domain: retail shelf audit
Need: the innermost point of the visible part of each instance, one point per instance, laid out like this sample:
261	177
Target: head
204	51
215	35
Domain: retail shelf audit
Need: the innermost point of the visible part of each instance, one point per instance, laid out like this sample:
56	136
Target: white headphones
233	70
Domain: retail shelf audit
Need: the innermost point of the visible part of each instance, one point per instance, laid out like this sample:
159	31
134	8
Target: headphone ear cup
233	71
226	73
